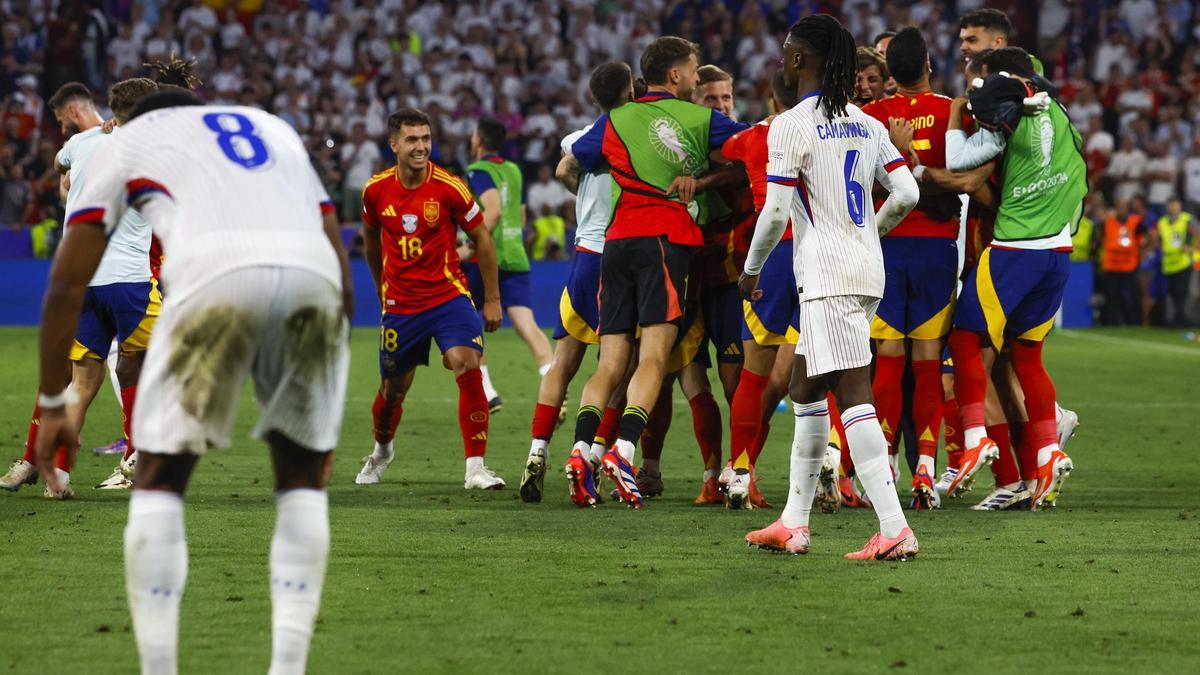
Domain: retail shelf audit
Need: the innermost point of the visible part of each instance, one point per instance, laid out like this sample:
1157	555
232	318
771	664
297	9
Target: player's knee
129	368
393	390
297	466
170	473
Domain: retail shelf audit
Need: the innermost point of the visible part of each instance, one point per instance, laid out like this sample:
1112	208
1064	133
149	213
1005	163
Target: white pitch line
1132	342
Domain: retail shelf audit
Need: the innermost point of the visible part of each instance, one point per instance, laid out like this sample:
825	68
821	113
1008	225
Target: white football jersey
593	201
127	257
833	164
223	187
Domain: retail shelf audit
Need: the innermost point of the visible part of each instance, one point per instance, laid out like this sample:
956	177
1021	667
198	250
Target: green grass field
424	577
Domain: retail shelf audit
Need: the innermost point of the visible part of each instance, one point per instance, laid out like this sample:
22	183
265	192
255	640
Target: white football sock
926	462
488	389
538	447
1045	453
868	449
299	551
474	464
383	450
808	454
596	452
972	436
626	450
114	352
156	565
545	368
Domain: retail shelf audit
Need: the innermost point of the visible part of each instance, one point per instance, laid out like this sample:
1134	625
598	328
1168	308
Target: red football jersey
419	229
935	216
750	148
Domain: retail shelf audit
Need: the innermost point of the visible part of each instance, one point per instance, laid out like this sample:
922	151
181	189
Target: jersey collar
814	92
494	158
654	96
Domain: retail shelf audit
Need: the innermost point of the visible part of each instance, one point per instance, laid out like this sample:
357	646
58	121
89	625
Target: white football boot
20	473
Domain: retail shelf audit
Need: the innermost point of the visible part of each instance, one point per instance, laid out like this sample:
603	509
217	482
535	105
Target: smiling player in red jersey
410	216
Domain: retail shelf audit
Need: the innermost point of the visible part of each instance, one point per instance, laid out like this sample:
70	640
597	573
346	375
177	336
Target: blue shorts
774	319
918	298
404	338
1013	294
514	287
579	307
721	308
125	312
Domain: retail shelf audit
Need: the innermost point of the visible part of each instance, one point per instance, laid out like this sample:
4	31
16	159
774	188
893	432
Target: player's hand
684	186
55	430
465	251
491	316
958	103
748	286
109	125
901	132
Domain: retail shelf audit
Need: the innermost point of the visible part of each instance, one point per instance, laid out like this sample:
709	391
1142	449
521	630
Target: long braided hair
824	36
175	71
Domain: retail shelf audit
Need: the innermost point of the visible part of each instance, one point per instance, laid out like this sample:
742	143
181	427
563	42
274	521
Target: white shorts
835	333
284	326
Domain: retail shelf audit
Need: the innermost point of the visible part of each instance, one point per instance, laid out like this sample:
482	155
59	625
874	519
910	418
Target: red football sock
1039	389
1005	467
472	413
128	394
760	441
927	405
1027	456
387	417
954	433
889	396
545	418
654	434
835	417
970	381
706	423
35	423
746	414
62	459
606	433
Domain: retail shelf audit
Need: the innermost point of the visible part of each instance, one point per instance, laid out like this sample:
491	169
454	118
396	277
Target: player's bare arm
567	172
333	231
485	252
77	259
489	201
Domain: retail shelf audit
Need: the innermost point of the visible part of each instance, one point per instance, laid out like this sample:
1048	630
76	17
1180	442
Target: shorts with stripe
125	312
404	339
289	334
722	310
835	333
1013	294
774	319
918	298
579	306
642	281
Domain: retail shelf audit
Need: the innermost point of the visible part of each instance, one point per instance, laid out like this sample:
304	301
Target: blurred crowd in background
1128	71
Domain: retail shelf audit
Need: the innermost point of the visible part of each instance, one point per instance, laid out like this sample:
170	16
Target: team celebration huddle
885	258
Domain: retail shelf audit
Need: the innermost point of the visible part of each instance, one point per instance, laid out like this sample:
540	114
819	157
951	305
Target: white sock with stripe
156	563
868	449
299	552
808	453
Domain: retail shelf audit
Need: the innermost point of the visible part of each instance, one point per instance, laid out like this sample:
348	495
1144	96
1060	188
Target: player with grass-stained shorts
260	286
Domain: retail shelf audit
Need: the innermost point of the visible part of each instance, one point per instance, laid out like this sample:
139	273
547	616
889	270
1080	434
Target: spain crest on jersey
432	211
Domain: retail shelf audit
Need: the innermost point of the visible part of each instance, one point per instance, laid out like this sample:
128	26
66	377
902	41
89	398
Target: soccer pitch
425	577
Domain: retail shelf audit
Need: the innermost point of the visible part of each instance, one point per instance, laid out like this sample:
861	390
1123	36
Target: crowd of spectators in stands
1128	70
